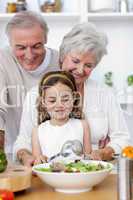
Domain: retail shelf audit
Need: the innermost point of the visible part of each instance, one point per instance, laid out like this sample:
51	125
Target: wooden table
107	190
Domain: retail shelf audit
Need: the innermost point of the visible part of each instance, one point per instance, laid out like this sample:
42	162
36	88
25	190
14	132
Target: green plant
130	80
108	78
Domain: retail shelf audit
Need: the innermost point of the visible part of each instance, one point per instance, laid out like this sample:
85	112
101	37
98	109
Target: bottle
123	6
21	5
48	6
125	174
58	5
124	179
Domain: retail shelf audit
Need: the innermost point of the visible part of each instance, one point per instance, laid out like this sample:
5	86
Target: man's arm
28	121
2	137
3	100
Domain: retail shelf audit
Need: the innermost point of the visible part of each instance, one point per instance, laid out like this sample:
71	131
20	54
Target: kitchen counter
40	191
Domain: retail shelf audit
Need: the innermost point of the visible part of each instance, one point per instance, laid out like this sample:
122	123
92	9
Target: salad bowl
76	177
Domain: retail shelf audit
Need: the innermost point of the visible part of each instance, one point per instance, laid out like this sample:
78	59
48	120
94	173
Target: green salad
73	167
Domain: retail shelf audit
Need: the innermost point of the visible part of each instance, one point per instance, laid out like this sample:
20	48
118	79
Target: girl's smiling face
58	103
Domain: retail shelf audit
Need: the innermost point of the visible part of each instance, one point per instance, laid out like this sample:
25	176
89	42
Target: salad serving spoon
69	147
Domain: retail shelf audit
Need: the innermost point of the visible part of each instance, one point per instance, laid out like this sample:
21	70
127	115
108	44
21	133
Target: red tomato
6	195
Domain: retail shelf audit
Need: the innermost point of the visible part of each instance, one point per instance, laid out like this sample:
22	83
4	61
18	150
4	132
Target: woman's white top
51	138
102	111
105	116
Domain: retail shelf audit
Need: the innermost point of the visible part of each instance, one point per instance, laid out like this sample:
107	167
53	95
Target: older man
21	67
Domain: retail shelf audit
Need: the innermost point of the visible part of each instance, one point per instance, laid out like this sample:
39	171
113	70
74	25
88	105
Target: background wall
120	51
119	31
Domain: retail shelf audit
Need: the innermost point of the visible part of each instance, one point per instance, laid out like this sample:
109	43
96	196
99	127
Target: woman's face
80	65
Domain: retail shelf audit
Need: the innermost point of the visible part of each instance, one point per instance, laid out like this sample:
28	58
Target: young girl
59	116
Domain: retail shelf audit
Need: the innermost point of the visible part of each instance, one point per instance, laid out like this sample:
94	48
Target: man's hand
2	138
25	157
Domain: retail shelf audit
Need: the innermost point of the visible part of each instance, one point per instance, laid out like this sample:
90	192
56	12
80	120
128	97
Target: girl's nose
59	103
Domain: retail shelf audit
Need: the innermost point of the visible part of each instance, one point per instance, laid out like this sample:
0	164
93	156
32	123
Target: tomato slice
6	195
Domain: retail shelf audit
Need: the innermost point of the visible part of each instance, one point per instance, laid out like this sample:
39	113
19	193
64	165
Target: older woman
81	50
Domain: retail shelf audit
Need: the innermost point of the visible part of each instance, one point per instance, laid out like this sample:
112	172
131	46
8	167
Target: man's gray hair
26	19
84	38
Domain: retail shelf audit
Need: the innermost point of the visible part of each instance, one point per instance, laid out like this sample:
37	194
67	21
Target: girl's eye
65	100
52	101
75	61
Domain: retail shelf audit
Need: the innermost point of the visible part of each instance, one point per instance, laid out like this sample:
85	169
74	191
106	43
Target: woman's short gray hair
26	19
83	38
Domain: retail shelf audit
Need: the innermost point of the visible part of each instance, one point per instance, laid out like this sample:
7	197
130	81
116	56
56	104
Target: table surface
39	191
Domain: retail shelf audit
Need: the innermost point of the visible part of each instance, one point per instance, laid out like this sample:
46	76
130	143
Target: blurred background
114	17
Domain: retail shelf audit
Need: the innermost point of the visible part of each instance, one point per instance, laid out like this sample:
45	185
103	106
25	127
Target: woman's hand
95	155
102	154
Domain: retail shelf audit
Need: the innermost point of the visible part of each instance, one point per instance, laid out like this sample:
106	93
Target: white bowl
73	182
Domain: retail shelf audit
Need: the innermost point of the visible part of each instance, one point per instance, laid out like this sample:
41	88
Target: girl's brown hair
51	79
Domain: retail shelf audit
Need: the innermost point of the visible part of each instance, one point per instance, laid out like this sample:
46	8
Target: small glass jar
11	8
50	6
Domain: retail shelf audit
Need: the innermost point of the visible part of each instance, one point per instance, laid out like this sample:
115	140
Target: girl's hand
40	159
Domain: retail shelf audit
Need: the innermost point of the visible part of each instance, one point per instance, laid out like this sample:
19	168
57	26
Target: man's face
28	46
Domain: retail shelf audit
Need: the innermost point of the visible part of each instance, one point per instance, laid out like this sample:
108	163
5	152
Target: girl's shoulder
44	124
76	122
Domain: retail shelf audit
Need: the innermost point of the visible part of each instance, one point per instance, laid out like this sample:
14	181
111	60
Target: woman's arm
86	137
101	154
118	131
